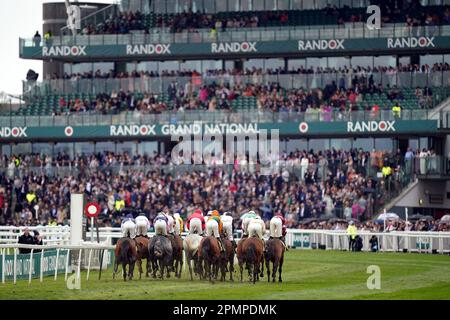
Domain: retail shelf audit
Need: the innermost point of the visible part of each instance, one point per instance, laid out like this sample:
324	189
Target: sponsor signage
320	45
402	43
64	51
244	48
15	132
148	49
292	128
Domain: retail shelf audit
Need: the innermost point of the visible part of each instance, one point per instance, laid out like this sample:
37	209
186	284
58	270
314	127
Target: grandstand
139	71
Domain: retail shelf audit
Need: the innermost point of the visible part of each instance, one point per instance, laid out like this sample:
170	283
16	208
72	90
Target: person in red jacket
196	223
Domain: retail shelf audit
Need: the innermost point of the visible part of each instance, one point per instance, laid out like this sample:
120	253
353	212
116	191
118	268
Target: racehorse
142	253
126	254
177	254
209	258
160	255
274	253
191	244
251	252
227	259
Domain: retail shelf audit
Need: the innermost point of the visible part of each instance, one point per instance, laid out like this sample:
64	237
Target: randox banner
300	129
159	51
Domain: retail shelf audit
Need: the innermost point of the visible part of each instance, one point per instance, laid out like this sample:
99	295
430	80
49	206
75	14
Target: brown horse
209	258
275	253
142	253
251	253
177	254
126	254
227	259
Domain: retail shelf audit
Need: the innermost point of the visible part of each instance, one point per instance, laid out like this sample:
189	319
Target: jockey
278	228
179	224
170	223
246	217
142	225
227	221
161	224
196	223
257	228
214	227
128	227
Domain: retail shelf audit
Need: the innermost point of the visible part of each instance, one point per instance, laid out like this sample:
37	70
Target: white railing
59	235
401	241
57	259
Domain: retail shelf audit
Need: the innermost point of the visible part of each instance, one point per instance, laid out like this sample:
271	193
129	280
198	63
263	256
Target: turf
307	275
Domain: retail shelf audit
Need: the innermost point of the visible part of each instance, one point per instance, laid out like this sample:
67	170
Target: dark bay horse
209	258
142	253
160	255
251	253
275	253
227	259
177	254
125	254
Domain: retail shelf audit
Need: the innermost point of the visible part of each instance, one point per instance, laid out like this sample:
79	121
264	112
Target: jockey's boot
283	241
221	245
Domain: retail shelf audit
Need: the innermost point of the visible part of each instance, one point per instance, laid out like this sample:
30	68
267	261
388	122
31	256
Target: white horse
190	245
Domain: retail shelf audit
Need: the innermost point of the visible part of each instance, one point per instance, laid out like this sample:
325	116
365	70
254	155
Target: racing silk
161	217
283	221
219	222
249	216
128	219
198	216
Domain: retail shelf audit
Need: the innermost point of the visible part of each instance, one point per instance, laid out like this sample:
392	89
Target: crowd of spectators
356	70
188	21
309	184
345	96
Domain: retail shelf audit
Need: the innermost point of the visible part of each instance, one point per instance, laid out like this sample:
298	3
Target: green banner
300	129
301	240
160	51
50	262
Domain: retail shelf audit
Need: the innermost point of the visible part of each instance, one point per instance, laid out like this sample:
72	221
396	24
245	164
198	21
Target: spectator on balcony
48	38
37	39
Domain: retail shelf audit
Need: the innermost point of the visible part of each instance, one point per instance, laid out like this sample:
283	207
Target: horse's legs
155	268
139	263
116	268
124	271
231	261
280	269
147	269
275	267
241	267
268	269
131	270
261	263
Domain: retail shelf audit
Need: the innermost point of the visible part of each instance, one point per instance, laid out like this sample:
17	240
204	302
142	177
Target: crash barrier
397	241
53	260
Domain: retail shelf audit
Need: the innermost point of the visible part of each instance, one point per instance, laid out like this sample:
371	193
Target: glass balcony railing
286	81
136	118
326	32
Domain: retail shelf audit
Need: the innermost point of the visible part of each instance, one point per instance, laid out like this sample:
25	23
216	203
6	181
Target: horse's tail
206	248
251	253
124	251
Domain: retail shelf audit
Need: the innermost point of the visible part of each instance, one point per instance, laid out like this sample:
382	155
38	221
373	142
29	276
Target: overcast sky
19	18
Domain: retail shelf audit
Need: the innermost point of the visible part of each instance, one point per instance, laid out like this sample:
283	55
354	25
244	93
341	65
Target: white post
3	265
56	266
406	214
89	264
41	276
15	266
384	221
76	218
67	264
79	265
31	266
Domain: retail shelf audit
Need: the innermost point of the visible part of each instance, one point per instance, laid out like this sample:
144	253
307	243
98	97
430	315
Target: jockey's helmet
198	212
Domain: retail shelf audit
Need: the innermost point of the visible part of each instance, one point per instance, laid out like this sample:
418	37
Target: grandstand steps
406	191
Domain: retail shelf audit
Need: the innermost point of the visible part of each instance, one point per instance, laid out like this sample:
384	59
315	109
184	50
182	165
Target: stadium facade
307	49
